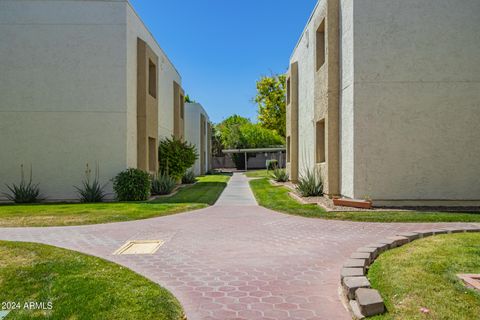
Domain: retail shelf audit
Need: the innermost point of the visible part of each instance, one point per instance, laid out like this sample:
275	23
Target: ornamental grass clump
91	191
132	185
163	184
26	191
310	184
280	175
189	177
272	164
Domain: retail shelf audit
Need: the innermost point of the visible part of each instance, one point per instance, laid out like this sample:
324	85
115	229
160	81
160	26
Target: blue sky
221	47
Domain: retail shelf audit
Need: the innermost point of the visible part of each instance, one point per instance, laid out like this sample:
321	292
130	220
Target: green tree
237	132
271	102
175	157
189	100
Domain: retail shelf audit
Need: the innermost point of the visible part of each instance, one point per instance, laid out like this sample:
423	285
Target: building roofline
305	29
153	37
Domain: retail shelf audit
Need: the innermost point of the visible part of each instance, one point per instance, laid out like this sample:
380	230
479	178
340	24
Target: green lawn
422	274
257	173
78	286
205	191
197	196
277	198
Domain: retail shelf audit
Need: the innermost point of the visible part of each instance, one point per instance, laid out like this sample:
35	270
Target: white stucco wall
68	80
417	99
193	112
346	113
167	74
62	84
304	54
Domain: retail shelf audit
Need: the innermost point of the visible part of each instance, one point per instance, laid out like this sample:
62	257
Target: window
288	91
320	45
182	106
152	79
288	149
320	143
152	149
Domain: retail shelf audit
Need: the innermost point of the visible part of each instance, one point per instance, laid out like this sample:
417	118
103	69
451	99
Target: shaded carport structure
245	152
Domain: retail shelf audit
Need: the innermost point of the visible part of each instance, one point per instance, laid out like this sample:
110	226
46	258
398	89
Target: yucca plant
91	191
26	191
163	184
310	184
189	177
280	175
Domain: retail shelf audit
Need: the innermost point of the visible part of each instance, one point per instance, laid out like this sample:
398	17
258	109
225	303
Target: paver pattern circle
234	260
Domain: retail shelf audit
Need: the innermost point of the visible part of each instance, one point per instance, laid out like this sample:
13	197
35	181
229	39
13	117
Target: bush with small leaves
176	156
91	191
310	184
163	184
280	175
132	185
189	177
25	192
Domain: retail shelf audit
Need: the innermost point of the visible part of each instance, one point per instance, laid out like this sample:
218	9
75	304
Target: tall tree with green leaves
237	132
271	103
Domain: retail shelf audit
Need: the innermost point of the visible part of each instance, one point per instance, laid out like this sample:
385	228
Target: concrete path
234	260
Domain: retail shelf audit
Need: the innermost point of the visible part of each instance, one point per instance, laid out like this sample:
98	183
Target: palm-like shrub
132	185
272	164
280	175
189	177
91	191
25	192
310	184
163	184
175	157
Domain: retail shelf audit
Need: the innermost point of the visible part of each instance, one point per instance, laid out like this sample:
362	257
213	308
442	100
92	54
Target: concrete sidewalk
237	192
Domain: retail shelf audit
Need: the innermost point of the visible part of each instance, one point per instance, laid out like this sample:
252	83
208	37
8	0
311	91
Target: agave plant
91	190
163	184
280	175
189	177
25	192
310	184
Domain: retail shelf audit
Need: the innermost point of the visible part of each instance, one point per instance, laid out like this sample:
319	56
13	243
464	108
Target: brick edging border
363	301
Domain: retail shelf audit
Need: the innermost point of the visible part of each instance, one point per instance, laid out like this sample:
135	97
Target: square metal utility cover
140	247
471	280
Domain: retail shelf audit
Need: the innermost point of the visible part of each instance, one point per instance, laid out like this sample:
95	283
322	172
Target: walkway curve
234	260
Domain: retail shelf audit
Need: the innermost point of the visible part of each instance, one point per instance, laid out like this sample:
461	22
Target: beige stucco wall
68	91
409	100
417	100
167	74
318	95
193	134
62	66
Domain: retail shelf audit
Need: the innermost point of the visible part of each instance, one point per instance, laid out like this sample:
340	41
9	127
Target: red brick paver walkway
234	260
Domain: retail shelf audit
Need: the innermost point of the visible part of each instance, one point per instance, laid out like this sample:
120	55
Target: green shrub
91	191
176	157
163	184
132	185
25	192
280	175
189	177
272	164
310	184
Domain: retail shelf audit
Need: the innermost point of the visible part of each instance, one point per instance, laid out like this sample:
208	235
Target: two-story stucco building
384	100
82	82
198	131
